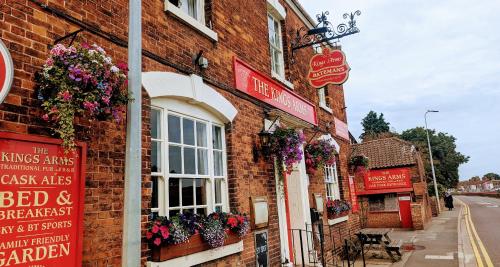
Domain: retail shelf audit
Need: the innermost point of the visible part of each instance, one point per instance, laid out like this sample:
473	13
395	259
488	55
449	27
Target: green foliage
432	192
492	176
374	125
446	158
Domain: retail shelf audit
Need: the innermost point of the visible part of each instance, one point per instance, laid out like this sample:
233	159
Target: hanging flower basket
337	208
83	81
318	154
358	163
286	145
190	233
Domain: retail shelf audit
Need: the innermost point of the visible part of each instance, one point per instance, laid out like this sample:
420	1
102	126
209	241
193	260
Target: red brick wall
383	219
27	29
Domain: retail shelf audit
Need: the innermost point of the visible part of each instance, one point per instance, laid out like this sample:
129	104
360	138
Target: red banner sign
387	178
41	202
267	90
341	129
6	71
354	198
328	67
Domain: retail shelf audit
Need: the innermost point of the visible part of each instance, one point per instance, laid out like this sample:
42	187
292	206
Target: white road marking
492	206
484	203
438	257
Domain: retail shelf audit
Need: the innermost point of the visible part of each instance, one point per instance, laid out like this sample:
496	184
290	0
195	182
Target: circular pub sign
6	71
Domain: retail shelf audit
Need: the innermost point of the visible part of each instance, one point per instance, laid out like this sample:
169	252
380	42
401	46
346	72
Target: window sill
200	257
190	21
338	220
325	108
383	211
282	80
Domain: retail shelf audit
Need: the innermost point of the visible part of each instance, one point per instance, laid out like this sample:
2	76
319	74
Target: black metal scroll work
324	32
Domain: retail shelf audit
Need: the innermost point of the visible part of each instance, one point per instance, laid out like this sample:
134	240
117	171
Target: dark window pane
174	159
201	211
154	195
188	131
187	192
187	211
173	192
201	134
201	192
173	213
174	129
189	161
218	209
155	124
217	137
155	156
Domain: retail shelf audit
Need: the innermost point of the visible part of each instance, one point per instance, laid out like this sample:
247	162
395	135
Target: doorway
405	211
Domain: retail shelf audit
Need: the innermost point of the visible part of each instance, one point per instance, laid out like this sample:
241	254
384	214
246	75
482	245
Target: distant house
393	191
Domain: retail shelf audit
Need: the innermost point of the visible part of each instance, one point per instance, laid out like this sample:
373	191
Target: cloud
412	55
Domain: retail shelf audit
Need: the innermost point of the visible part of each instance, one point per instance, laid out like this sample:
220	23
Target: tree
492	176
373	126
475	179
446	158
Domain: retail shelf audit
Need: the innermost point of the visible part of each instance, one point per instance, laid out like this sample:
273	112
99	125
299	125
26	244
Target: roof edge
301	12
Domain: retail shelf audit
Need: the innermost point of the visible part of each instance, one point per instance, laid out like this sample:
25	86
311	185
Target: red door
405	211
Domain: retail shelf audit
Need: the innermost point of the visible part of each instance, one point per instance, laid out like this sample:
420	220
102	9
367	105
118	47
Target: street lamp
432	162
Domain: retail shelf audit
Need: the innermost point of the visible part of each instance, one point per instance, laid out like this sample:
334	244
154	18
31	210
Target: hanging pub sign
341	129
387	178
329	67
267	90
6	71
41	202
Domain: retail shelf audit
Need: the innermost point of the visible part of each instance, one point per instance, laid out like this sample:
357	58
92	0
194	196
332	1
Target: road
485	213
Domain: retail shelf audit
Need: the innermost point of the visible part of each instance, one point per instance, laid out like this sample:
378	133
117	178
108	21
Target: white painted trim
338	220
324	107
200	257
188	88
282	80
275	8
300	12
197	25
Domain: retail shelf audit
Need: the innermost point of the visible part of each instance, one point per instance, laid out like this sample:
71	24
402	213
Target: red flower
241	219
232	222
149	235
164	232
155	229
157	241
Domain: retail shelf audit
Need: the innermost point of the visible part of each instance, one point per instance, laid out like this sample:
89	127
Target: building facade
393	192
202	150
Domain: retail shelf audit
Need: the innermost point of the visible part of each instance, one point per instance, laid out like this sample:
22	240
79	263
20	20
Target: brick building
393	192
183	102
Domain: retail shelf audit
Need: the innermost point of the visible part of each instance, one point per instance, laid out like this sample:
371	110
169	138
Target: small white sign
405	198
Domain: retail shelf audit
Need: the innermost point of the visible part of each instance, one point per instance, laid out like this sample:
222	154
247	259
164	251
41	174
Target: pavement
485	231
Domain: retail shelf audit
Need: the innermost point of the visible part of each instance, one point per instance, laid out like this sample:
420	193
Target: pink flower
157	241
45	117
105	99
90	106
49	62
54	110
155	229
66	95
232	222
164	232
149	235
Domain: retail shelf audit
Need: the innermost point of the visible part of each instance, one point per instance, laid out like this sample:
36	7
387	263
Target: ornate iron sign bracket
324	32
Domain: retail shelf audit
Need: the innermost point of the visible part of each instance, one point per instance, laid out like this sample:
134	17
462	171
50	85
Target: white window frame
164	175
322	100
197	23
332	182
280	72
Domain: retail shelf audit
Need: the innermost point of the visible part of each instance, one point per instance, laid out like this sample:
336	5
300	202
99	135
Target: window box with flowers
189	233
337	208
82	81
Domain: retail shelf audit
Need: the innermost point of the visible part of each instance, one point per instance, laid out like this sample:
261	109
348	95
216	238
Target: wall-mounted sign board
387	178
265	89
261	248
329	67
41	202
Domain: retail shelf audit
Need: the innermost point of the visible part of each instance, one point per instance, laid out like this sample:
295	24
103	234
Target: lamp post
432	162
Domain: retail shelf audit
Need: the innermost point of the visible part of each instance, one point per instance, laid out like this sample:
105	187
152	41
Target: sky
411	56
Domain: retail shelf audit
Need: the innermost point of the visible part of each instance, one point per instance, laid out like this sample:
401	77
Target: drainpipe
131	246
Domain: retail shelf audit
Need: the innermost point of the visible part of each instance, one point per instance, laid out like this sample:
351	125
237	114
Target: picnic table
380	237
